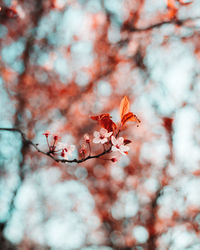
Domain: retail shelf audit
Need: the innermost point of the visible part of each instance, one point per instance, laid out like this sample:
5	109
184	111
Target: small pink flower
118	145
69	149
66	149
102	136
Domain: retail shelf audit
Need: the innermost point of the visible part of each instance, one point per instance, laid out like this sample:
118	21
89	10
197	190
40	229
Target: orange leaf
196	172
182	2
172	8
129	117
124	107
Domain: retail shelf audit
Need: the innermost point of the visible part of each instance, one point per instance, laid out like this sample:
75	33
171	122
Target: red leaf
99	117
129	117
126	141
105	121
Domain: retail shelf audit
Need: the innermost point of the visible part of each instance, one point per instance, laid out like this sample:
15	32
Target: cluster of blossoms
103	136
58	147
108	136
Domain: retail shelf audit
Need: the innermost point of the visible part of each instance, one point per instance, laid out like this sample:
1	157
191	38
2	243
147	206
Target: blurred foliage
65	60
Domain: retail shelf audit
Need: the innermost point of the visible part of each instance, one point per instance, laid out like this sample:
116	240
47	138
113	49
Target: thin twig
50	153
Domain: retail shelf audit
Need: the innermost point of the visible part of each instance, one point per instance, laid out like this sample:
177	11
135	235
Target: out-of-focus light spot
73	19
41	77
114	6
117	238
94	6
11	233
11	52
178	238
82	78
155	152
99	171
66	233
47	24
81	53
141	234
81	173
20	12
183	138
7	2
126	206
97	248
61	66
151	184
114	34
60	3
117	172
174	74
3	31
42	58
104	88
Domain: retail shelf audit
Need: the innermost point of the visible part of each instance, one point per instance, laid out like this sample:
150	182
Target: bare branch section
159	24
50	153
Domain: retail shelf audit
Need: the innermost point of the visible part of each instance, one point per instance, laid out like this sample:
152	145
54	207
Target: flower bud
46	133
86	138
113	159
63	153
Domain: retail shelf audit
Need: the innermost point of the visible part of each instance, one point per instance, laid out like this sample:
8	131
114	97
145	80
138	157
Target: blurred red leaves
8	13
196	172
168	124
173	8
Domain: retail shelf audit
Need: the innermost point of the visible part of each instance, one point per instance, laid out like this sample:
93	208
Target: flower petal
109	134
103	131
120	141
114	140
96	134
96	140
114	148
104	140
124	148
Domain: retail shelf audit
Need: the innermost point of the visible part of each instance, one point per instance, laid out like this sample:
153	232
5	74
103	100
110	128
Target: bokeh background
64	60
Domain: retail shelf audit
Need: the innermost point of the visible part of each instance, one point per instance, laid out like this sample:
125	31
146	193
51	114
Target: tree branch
50	153
157	25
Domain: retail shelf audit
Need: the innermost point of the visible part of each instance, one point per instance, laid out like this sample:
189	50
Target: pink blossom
66	149
102	136
69	149
118	145
83	150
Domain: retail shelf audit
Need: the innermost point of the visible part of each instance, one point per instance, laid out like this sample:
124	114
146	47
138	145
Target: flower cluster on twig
107	136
